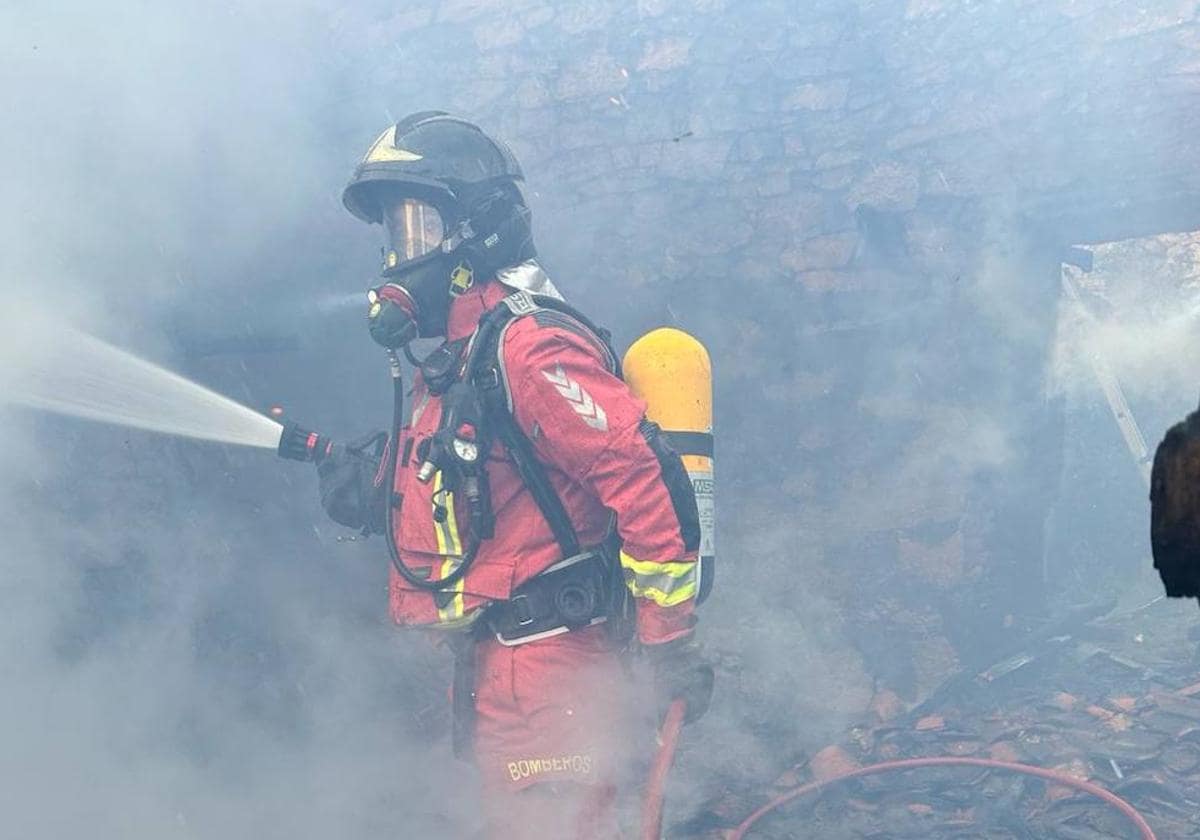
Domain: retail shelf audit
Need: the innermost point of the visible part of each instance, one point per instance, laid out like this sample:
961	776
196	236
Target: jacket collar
468	308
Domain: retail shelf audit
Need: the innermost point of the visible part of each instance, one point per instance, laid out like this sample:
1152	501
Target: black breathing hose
488	327
409	576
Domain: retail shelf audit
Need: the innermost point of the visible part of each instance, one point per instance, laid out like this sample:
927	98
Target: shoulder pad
547	318
521	304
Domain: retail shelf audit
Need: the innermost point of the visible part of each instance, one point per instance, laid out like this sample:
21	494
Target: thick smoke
1140	313
188	648
856	226
1132	323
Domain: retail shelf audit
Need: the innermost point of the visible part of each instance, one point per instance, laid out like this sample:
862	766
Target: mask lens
414	229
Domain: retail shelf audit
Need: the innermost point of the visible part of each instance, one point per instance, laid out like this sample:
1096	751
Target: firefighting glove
390	318
681	672
1175	508
347	483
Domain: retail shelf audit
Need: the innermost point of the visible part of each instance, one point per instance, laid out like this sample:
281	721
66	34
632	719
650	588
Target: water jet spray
66	371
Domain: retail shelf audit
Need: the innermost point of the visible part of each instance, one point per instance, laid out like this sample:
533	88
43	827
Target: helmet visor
414	228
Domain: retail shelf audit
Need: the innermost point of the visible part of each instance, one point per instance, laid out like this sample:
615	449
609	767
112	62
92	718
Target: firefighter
533	510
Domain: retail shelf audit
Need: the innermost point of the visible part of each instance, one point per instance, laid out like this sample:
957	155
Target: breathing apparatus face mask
414	229
417	258
430	258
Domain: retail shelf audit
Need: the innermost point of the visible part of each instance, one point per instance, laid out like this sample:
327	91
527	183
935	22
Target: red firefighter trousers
551	722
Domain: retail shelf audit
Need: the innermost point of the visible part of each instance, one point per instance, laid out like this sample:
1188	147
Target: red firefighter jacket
590	433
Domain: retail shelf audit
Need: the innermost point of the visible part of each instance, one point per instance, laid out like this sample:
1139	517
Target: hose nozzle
300	444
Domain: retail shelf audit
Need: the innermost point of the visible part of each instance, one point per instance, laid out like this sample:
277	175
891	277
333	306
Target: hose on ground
1127	810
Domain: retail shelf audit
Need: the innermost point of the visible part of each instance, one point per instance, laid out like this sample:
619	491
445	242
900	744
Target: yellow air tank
671	371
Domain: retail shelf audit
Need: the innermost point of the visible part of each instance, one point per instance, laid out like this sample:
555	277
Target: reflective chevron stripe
588	409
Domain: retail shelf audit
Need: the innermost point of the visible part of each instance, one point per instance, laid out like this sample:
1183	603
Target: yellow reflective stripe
450	547
675	569
666	584
460	623
448	541
455	608
663	599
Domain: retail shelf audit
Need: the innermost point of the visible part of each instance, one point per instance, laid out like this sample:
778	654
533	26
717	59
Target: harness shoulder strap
485	368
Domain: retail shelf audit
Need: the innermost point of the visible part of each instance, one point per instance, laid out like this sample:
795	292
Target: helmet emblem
384	150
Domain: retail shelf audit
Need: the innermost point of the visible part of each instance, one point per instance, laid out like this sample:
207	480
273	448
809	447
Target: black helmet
447	195
431	154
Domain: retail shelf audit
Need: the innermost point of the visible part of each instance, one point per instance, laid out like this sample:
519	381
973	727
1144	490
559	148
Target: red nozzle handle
299	444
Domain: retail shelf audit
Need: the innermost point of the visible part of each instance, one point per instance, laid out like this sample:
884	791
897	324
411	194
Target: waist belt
571	594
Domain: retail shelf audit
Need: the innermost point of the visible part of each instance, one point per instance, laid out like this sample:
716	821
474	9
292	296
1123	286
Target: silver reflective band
530	277
557	631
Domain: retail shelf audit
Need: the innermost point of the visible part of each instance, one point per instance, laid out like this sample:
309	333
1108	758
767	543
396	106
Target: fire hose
1127	810
652	801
